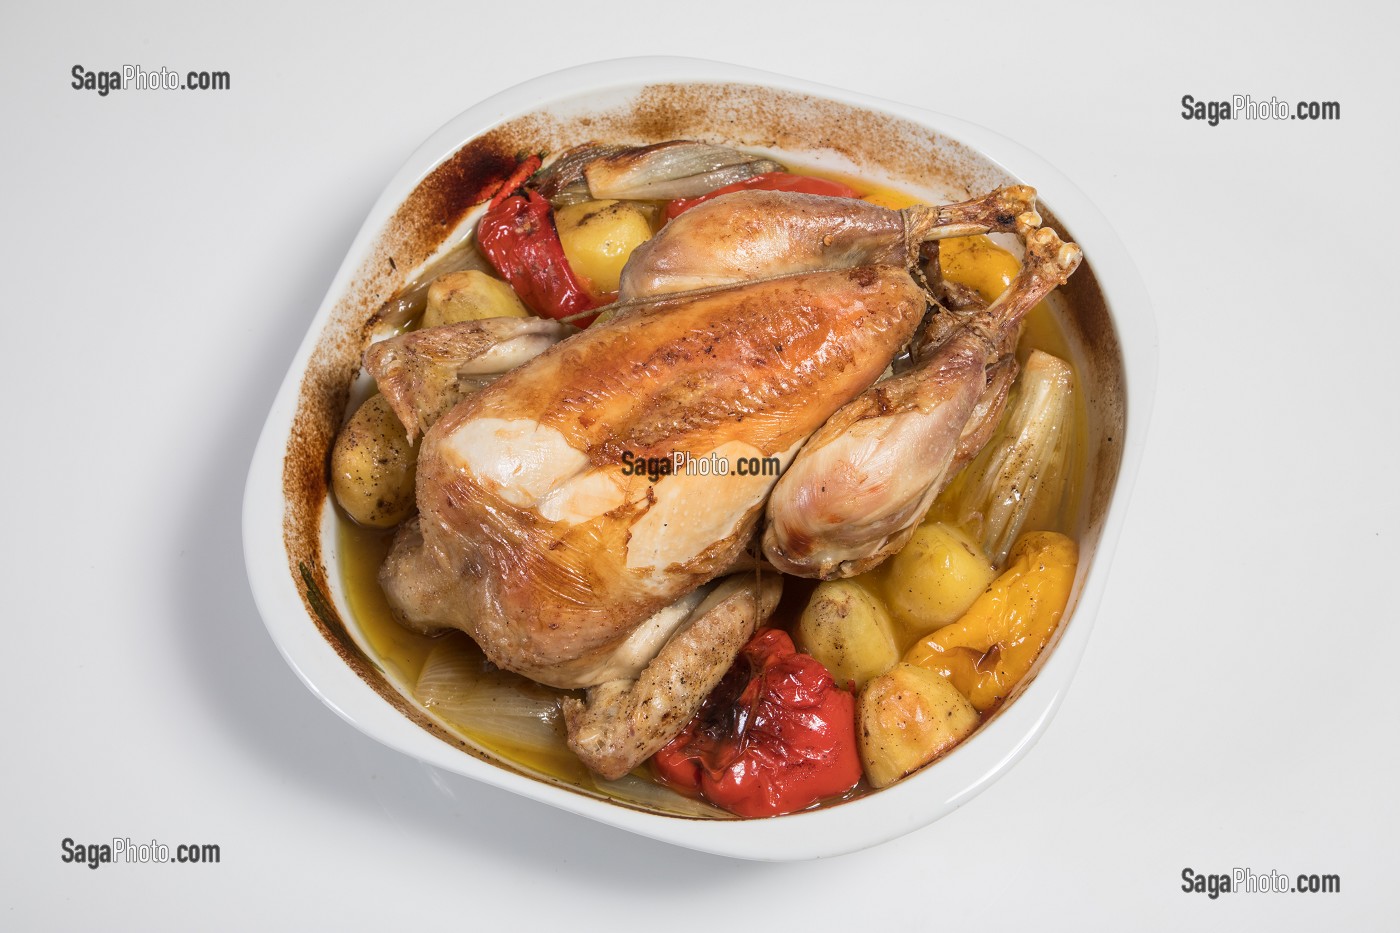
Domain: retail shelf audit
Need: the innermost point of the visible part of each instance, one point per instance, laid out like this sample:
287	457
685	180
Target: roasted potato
372	466
937	576
846	628
598	236
470	296
907	718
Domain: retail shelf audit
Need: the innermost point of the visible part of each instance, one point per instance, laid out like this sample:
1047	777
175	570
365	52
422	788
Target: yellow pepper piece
987	652
977	262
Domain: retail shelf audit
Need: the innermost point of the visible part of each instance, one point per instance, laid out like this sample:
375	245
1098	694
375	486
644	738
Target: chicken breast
540	536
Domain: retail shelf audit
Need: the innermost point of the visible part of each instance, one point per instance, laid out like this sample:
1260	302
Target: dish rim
874	818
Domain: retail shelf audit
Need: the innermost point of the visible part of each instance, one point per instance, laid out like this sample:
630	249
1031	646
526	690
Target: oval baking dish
290	542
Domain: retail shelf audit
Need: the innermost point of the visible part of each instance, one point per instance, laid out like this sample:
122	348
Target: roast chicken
557	526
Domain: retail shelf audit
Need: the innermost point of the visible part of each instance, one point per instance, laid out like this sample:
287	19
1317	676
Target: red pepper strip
768	181
518	236
777	735
516	179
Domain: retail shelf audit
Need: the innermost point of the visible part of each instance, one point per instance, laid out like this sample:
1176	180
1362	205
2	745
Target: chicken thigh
865	480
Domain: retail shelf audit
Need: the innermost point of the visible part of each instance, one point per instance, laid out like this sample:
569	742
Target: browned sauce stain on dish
737	114
441	201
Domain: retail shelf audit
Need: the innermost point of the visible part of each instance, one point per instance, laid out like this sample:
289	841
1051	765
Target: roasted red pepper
518	235
768	181
777	735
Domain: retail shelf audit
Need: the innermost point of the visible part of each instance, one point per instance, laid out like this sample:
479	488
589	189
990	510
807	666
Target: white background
163	253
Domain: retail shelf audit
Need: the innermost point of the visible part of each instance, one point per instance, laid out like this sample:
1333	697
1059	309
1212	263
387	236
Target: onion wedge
502	709
1018	475
677	169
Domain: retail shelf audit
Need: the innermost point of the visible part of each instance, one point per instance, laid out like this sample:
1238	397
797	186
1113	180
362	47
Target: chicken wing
424	373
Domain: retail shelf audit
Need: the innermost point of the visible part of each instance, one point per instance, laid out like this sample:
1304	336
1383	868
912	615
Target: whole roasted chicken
604	514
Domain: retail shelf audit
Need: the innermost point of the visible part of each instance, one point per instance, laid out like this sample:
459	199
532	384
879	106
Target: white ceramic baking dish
288	524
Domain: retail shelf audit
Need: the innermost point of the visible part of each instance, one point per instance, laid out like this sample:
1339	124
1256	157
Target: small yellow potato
598	236
935	578
372	466
470	296
906	719
846	628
